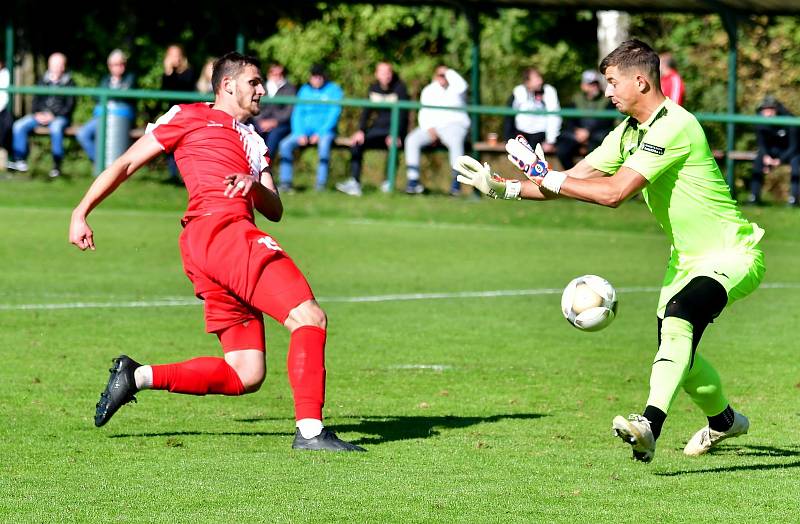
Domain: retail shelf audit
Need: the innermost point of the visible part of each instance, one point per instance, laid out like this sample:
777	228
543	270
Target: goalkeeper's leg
686	316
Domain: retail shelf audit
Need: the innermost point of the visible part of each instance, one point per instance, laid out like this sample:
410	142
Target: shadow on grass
384	429
745	451
389	429
207	433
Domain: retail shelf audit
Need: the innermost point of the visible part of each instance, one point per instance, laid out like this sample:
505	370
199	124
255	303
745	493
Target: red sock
198	376
306	366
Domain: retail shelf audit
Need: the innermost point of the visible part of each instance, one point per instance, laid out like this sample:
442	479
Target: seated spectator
671	82
777	145
178	76
446	126
376	134
273	123
117	78
53	111
203	84
6	120
580	136
312	125
531	95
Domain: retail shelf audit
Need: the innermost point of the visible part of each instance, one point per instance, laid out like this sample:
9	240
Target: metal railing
103	95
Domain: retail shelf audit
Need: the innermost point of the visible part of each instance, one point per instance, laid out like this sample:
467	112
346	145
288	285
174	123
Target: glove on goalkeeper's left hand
532	162
472	173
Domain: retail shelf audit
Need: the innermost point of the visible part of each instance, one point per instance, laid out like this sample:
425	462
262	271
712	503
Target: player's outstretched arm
140	153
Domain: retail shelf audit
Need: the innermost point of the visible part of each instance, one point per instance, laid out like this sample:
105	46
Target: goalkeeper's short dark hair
231	64
634	55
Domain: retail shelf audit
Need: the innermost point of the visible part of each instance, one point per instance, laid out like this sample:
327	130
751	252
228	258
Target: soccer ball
589	303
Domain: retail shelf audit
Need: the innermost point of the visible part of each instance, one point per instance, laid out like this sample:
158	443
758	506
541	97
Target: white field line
183	302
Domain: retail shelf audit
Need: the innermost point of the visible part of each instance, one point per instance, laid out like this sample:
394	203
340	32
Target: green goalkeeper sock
704	387
671	363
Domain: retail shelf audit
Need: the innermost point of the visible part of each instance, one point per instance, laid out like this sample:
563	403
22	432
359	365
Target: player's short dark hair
231	64
634	54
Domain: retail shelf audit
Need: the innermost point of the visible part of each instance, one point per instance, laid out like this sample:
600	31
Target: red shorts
240	271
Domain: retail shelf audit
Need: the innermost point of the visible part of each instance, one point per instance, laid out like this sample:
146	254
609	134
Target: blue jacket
317	119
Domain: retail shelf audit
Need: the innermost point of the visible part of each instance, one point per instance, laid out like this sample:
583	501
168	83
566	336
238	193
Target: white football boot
635	430
707	438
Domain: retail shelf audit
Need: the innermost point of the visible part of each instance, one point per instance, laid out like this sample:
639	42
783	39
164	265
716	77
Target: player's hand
357	138
238	185
530	161
480	176
81	234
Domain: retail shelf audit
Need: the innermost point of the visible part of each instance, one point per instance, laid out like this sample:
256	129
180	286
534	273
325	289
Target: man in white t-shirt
532	95
446	126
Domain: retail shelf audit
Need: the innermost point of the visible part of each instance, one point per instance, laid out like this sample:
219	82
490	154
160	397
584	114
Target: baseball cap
589	76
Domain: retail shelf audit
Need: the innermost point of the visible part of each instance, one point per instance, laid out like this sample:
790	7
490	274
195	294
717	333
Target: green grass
512	423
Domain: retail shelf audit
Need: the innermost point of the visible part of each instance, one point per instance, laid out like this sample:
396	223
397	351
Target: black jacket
780	140
383	117
59	105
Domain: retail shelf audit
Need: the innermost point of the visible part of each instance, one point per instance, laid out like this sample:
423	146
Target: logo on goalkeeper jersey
270	243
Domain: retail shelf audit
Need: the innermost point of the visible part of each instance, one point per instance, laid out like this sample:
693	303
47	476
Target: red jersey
673	87
210	144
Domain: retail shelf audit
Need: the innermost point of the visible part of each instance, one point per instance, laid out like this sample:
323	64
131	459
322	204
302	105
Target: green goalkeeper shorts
740	272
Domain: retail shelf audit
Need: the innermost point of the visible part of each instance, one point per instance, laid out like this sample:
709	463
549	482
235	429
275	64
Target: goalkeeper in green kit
661	150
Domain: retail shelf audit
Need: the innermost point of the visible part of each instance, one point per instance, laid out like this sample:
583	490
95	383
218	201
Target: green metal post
475	76
100	146
391	161
10	61
731	23
240	42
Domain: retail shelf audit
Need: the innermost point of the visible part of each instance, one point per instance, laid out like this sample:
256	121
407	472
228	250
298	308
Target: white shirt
452	96
5	80
524	100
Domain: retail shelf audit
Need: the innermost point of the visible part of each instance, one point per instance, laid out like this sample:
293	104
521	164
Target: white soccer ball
589	303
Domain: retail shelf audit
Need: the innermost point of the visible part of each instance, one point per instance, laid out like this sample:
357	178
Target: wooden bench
135	133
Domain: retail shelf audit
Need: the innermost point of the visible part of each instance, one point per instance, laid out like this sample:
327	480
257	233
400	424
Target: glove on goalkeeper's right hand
481	178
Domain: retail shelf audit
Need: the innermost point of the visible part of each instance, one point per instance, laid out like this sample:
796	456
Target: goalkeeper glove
533	164
480	176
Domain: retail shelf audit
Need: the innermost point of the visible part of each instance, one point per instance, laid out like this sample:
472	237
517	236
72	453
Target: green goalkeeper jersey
685	189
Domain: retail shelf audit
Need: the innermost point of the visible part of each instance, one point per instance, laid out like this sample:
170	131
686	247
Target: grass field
473	408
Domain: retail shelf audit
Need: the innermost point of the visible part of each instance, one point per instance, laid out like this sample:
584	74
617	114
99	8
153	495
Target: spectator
777	145
671	82
447	126
376	134
53	111
312	124
178	76
579	136
531	95
273	123
203	84
6	120
117	78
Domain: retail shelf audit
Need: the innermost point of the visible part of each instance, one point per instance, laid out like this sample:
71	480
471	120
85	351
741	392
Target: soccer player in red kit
238	270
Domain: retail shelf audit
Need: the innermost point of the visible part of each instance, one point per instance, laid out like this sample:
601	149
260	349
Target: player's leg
283	293
686	316
241	333
412	150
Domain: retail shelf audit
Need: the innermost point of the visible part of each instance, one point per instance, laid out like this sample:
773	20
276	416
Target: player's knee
252	383
699	303
308	313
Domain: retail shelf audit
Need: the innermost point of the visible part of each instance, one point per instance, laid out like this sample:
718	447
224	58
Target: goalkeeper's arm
582	170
